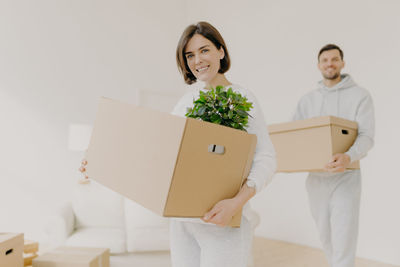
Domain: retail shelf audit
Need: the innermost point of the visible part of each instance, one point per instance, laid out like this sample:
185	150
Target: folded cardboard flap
132	145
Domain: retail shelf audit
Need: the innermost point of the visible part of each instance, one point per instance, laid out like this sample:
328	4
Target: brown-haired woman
203	55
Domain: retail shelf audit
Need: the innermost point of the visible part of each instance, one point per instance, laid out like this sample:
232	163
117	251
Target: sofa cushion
97	206
112	238
145	230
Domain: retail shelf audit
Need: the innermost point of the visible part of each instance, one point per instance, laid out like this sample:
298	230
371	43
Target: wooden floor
273	253
267	253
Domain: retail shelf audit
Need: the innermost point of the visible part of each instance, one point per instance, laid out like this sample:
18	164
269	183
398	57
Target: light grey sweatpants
205	245
335	204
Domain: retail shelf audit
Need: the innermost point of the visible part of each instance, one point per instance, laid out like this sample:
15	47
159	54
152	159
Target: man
334	195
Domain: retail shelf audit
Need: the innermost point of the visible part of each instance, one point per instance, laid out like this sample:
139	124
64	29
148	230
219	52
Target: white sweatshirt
345	100
264	161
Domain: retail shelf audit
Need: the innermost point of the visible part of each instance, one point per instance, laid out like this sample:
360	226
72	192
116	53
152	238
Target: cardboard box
11	250
174	166
74	257
308	145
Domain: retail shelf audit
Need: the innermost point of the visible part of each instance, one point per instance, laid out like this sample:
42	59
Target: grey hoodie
346	100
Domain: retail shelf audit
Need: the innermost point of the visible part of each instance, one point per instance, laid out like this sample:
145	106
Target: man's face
330	64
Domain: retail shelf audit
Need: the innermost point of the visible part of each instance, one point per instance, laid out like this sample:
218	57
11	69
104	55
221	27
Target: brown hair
208	31
330	47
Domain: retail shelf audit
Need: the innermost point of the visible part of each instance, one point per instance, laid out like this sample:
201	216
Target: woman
202	55
208	242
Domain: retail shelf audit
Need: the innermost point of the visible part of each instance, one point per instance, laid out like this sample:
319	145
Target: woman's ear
222	53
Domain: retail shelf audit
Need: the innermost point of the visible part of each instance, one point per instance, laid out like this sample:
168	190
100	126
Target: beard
332	76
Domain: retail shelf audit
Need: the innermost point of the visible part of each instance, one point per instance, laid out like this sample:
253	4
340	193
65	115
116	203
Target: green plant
221	106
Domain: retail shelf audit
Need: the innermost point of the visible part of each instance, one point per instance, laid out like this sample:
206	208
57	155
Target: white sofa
99	217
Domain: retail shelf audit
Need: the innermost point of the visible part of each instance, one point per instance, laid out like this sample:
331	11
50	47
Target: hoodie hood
346	82
331	95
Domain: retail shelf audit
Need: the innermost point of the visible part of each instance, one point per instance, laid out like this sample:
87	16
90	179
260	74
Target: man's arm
364	141
366	130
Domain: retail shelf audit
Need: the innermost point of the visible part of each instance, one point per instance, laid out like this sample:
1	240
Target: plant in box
221	106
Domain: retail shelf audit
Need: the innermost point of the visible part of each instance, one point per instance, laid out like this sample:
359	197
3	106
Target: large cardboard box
174	166
74	257
308	145
11	250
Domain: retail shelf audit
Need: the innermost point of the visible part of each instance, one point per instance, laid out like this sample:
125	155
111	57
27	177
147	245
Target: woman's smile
202	69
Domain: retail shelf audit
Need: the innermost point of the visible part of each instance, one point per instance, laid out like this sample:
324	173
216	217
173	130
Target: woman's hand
222	212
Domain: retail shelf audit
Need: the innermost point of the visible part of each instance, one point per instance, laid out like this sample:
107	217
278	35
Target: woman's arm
261	172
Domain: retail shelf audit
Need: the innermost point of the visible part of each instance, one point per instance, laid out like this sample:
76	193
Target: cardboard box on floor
11	250
174	166
308	145
74	257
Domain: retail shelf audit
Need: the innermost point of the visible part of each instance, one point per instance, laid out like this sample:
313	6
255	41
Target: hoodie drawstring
337	102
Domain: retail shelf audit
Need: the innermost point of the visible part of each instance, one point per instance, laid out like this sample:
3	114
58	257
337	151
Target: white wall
274	46
58	57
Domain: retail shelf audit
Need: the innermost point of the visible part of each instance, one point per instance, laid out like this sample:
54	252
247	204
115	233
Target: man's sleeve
366	129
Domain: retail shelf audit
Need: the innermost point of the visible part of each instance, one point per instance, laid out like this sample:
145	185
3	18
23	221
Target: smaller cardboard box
74	257
308	145
11	250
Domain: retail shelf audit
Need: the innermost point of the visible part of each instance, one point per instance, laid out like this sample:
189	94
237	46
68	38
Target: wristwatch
251	183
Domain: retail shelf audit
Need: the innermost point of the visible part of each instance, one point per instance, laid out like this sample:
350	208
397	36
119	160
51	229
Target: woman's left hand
222	212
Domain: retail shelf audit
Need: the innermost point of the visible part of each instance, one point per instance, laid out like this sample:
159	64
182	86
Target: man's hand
339	163
222	212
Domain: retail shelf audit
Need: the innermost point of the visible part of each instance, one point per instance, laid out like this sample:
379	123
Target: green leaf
221	106
201	110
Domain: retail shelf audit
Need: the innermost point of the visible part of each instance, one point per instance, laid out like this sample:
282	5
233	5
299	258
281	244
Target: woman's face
203	58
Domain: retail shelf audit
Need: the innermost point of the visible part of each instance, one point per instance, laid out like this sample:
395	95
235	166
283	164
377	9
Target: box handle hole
345	132
216	149
9	251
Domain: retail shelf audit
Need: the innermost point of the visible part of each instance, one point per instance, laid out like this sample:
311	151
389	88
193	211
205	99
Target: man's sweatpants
335	203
